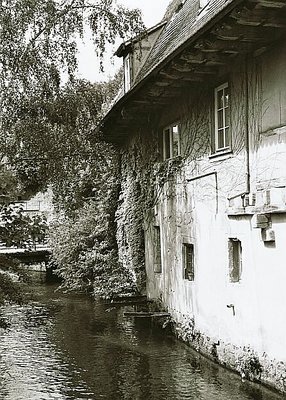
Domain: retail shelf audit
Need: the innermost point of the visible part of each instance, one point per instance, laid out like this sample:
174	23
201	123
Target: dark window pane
227	117
188	261
220	119
220	138
227	138
176	138
167	143
157	250
220	99
234	250
226	97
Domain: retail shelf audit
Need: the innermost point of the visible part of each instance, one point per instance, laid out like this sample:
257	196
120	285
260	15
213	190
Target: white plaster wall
259	297
270	158
194	210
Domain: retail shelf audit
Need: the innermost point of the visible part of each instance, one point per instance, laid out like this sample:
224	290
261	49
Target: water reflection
67	347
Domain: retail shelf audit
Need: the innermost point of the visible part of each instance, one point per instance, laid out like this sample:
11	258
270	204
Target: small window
188	261
157	250
222	118
171	142
127	73
234	254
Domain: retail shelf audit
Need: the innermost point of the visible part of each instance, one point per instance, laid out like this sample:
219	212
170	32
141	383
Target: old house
201	130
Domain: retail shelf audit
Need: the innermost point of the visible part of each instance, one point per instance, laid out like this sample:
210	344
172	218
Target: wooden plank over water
146	314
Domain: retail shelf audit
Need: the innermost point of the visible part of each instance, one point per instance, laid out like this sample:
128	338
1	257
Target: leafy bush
19	229
84	251
10	290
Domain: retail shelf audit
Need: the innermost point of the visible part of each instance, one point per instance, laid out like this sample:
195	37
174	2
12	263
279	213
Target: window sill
157	269
221	155
251	210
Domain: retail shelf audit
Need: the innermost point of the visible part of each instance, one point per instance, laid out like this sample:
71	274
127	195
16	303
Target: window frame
168	145
234	259
157	249
127	72
188	273
226	147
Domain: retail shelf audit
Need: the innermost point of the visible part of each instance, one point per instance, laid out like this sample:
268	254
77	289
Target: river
67	347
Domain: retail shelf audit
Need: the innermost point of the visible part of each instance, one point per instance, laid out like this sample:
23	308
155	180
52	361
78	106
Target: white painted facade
245	317
219	199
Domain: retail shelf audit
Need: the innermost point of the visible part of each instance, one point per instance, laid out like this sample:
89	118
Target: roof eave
127	45
232	4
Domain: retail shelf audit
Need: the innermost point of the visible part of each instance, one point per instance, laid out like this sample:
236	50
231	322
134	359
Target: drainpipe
245	195
247	139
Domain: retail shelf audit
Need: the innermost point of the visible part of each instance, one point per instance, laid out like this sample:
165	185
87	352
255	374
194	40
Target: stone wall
241	359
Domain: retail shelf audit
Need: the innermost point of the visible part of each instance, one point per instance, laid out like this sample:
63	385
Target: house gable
205	45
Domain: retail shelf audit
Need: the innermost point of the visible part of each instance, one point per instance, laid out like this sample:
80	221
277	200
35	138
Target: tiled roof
186	23
182	28
191	49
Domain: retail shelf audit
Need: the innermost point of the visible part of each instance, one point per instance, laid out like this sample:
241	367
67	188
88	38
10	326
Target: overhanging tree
38	44
49	130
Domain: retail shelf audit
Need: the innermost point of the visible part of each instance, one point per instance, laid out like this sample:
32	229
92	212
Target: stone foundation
243	360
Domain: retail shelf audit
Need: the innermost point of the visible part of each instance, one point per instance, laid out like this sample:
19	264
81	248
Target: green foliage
8	263
45	128
13	266
84	251
50	135
39	41
130	234
20	229
56	141
9	185
10	290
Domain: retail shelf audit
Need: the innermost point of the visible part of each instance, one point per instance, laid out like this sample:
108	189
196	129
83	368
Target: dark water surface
68	347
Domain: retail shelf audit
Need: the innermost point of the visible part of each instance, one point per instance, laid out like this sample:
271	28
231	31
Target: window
222	119
127	73
157	250
171	142
273	93
188	261
234	254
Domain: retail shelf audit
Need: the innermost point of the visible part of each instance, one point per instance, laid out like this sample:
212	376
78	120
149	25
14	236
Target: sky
152	12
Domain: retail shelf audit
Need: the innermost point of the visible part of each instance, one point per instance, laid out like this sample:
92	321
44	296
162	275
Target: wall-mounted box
268	235
260	221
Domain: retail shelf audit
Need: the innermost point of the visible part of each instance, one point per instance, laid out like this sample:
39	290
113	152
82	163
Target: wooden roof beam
161	91
169	75
235	32
218	59
222	46
208	59
163	83
275	4
182	66
176	76
192	78
205	71
152	102
186	70
267	18
193	57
